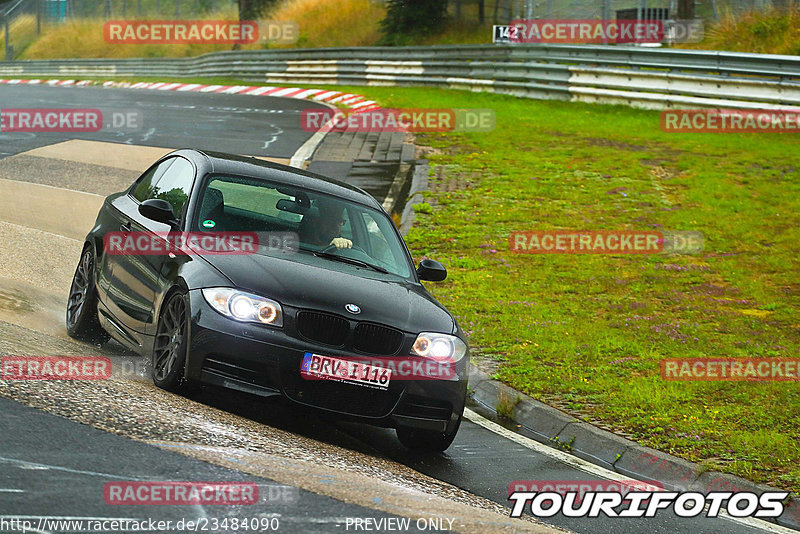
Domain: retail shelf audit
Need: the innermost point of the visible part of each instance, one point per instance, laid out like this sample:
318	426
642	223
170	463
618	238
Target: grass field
586	333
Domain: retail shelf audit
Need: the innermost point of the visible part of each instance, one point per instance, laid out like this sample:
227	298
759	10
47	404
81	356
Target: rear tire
169	347
81	317
427	441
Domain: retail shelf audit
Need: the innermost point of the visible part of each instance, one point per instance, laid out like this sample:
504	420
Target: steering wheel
332	247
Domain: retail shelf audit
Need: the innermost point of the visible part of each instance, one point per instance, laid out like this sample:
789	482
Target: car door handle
125	227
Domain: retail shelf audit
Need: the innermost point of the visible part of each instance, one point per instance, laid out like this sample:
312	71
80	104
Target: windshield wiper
351	261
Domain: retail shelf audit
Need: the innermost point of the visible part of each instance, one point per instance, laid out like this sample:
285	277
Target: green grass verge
585	333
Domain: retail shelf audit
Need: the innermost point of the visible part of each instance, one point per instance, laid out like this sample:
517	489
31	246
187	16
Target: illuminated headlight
442	347
244	307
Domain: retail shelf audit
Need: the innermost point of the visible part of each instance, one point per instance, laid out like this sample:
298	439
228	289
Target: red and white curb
355	102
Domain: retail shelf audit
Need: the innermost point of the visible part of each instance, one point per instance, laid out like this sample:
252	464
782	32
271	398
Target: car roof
249	166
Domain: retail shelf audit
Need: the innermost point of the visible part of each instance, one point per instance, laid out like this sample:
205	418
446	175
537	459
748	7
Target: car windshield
330	227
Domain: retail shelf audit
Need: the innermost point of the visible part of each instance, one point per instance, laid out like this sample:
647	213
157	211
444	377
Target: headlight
442	347
244	307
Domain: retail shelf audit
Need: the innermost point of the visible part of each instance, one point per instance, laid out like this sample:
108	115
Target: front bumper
266	361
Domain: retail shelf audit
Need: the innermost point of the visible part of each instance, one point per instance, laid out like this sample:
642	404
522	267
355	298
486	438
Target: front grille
323	328
376	339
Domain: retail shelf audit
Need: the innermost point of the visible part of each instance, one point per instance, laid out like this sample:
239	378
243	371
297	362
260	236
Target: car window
329	218
144	187
251	205
242	204
175	184
378	246
250	196
171	180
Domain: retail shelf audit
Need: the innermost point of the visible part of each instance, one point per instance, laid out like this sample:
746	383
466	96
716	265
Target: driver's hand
341	242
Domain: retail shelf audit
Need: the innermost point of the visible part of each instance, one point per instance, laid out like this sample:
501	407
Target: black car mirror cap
431	271
159	210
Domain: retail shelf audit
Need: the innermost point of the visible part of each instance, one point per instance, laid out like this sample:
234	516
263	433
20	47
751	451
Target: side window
144	189
229	203
377	241
175	184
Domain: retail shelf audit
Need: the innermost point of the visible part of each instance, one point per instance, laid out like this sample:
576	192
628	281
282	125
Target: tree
409	19
685	9
252	9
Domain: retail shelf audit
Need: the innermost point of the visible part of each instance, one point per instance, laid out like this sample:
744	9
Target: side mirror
431	271
158	210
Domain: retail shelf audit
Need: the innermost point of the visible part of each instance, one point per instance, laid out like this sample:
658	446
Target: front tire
427	441
169	348
81	317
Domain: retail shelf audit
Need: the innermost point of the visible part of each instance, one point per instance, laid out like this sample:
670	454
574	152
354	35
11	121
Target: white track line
583	465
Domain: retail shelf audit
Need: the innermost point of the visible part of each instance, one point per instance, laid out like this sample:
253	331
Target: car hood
322	284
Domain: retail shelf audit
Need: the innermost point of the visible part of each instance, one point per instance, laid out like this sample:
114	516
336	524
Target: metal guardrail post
9	50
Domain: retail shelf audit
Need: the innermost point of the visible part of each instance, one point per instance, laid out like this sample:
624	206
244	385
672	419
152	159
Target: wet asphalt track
43	455
239	124
74	459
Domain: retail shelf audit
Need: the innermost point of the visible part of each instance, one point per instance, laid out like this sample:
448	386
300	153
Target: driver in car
325	229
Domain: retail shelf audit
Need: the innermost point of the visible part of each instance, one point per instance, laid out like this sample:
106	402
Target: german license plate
316	366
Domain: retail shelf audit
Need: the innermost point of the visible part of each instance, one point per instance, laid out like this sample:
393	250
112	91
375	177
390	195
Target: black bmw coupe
267	279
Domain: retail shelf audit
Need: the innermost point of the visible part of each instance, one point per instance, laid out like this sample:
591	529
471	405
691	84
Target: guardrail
641	77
